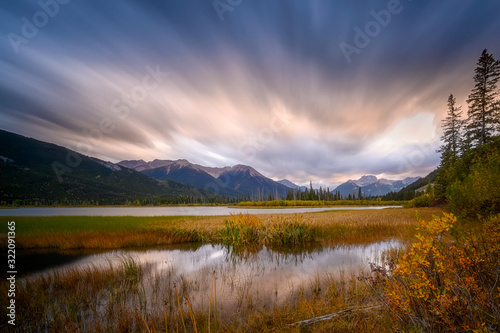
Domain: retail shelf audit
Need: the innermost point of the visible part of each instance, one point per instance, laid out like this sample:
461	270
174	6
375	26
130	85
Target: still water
166	211
265	275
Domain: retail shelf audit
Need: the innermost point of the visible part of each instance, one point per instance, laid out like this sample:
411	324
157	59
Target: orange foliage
443	285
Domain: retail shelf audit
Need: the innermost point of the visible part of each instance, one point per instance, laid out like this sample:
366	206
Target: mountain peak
287	183
372	186
292	185
241	167
246	168
182	162
366	180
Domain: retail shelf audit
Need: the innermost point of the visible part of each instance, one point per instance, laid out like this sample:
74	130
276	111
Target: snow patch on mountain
365	180
6	159
108	165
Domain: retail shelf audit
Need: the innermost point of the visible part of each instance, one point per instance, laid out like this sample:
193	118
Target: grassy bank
98	232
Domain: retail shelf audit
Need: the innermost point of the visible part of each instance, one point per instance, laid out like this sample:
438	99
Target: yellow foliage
444	285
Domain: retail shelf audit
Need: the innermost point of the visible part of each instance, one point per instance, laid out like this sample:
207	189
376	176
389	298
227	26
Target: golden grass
362	227
333	227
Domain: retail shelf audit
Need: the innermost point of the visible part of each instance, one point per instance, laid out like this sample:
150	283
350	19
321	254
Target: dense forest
469	174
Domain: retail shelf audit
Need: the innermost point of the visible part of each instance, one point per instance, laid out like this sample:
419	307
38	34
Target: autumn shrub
425	200
478	192
443	285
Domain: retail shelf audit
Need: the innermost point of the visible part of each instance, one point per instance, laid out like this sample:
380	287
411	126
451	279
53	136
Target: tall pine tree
451	145
451	132
483	106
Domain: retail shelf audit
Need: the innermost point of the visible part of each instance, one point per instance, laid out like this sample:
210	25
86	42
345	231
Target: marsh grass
76	224
132	271
246	229
116	299
330	228
101	232
363	227
104	300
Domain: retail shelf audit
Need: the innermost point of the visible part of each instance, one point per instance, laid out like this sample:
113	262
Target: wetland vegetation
131	295
108	232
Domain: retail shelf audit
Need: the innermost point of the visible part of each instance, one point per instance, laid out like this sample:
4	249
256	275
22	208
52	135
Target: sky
317	90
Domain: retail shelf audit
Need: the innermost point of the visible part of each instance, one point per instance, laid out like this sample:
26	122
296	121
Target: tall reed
246	229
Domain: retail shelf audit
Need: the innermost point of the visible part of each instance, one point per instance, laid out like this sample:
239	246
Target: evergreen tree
428	189
483	106
451	132
452	143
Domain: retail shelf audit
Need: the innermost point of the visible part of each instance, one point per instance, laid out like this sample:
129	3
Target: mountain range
409	191
37	171
236	181
372	186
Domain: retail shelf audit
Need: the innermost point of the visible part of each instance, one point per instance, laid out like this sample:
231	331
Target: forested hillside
39	173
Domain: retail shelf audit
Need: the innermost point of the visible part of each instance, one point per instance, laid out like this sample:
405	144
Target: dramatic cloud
316	90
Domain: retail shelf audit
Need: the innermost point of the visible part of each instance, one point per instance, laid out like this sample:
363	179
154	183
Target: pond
262	276
167	211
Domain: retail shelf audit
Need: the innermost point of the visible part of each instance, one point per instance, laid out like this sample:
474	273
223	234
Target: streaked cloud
268	86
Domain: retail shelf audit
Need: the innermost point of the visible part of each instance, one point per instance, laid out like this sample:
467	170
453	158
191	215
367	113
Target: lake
168	211
265	275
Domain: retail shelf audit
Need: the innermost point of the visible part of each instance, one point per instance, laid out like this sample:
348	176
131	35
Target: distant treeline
321	194
155	201
307	197
318	203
